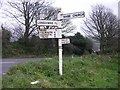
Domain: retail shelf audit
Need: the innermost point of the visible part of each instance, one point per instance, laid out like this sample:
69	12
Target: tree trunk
102	43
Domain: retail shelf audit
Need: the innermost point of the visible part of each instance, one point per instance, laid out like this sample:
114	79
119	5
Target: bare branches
1	2
16	17
69	29
16	6
27	11
102	24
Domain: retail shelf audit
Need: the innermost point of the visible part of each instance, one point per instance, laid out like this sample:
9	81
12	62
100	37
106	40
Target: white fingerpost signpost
57	32
66	41
60	46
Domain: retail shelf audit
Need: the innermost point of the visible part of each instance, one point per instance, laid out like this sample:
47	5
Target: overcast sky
70	6
84	5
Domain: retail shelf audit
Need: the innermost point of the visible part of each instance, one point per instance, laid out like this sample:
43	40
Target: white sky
70	6
84	5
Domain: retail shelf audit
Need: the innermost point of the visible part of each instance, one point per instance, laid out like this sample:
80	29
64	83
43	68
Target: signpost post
65	41
60	47
57	33
60	56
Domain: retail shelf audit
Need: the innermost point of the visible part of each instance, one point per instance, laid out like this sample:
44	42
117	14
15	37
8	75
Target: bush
78	46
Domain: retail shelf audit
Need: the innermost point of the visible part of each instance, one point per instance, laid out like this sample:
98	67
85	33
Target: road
7	63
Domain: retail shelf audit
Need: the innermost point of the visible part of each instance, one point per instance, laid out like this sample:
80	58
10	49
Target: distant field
89	71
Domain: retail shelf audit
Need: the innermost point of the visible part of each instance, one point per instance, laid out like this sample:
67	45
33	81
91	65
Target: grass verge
91	71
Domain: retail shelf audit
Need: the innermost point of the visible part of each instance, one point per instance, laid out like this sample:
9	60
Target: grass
89	71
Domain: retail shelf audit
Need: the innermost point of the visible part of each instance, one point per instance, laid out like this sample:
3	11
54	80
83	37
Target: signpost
57	33
48	23
73	15
65	41
50	33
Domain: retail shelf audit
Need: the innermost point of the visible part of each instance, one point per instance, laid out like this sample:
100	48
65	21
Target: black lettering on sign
78	14
50	22
55	23
66	16
45	22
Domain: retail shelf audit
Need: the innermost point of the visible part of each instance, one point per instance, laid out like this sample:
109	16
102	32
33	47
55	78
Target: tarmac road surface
5	64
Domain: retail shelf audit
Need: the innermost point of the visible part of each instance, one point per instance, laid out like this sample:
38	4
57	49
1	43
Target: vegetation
80	70
103	25
29	11
42	47
88	71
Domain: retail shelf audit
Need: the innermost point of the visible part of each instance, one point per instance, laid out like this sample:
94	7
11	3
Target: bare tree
67	27
101	24
18	32
26	12
6	34
119	35
1	2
